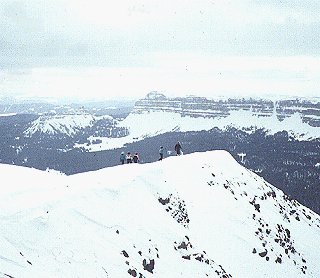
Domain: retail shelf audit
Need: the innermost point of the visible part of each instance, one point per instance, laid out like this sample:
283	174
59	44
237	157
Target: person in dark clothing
129	157
122	158
136	158
178	148
161	153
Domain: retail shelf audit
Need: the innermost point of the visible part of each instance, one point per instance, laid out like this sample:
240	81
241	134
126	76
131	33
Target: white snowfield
62	124
152	123
197	215
8	114
66	124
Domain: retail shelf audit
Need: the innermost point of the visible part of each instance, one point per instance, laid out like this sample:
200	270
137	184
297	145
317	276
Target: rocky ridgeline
277	243
204	107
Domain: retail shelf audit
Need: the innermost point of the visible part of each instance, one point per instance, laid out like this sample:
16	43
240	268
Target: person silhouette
178	148
161	153
129	157
122	158
136	158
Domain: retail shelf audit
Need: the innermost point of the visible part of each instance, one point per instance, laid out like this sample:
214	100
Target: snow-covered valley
197	215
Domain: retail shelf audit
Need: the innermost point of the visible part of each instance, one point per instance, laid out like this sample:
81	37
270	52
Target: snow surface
68	124
214	218
8	114
148	124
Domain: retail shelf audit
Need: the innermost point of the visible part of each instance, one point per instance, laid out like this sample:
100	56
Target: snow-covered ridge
151	122
213	219
156	114
8	114
204	107
67	124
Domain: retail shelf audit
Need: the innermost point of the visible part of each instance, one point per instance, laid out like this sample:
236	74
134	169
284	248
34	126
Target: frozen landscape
197	215
300	117
84	82
277	138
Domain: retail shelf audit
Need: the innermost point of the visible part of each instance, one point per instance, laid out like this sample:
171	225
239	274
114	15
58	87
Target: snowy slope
157	114
208	217
147	124
67	124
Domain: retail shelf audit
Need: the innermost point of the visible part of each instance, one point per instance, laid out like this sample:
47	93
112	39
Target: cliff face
309	111
203	107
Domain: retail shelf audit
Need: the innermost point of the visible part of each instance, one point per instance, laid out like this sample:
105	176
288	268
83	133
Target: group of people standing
129	158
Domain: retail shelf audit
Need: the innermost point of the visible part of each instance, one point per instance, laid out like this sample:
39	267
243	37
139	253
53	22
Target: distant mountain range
156	114
278	139
38	107
222	108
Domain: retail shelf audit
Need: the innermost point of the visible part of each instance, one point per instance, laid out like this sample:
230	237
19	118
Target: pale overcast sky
111	49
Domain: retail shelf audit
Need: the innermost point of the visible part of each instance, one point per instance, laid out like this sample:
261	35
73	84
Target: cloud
125	47
70	32
175	74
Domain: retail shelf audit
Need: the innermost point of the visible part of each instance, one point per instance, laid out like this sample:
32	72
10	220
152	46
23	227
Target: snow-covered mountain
198	215
68	124
193	106
156	114
58	106
53	119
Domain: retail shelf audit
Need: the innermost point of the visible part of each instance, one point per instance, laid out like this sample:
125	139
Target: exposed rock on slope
203	107
198	215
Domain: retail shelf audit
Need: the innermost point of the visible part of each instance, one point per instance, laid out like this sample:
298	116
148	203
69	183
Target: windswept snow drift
198	215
